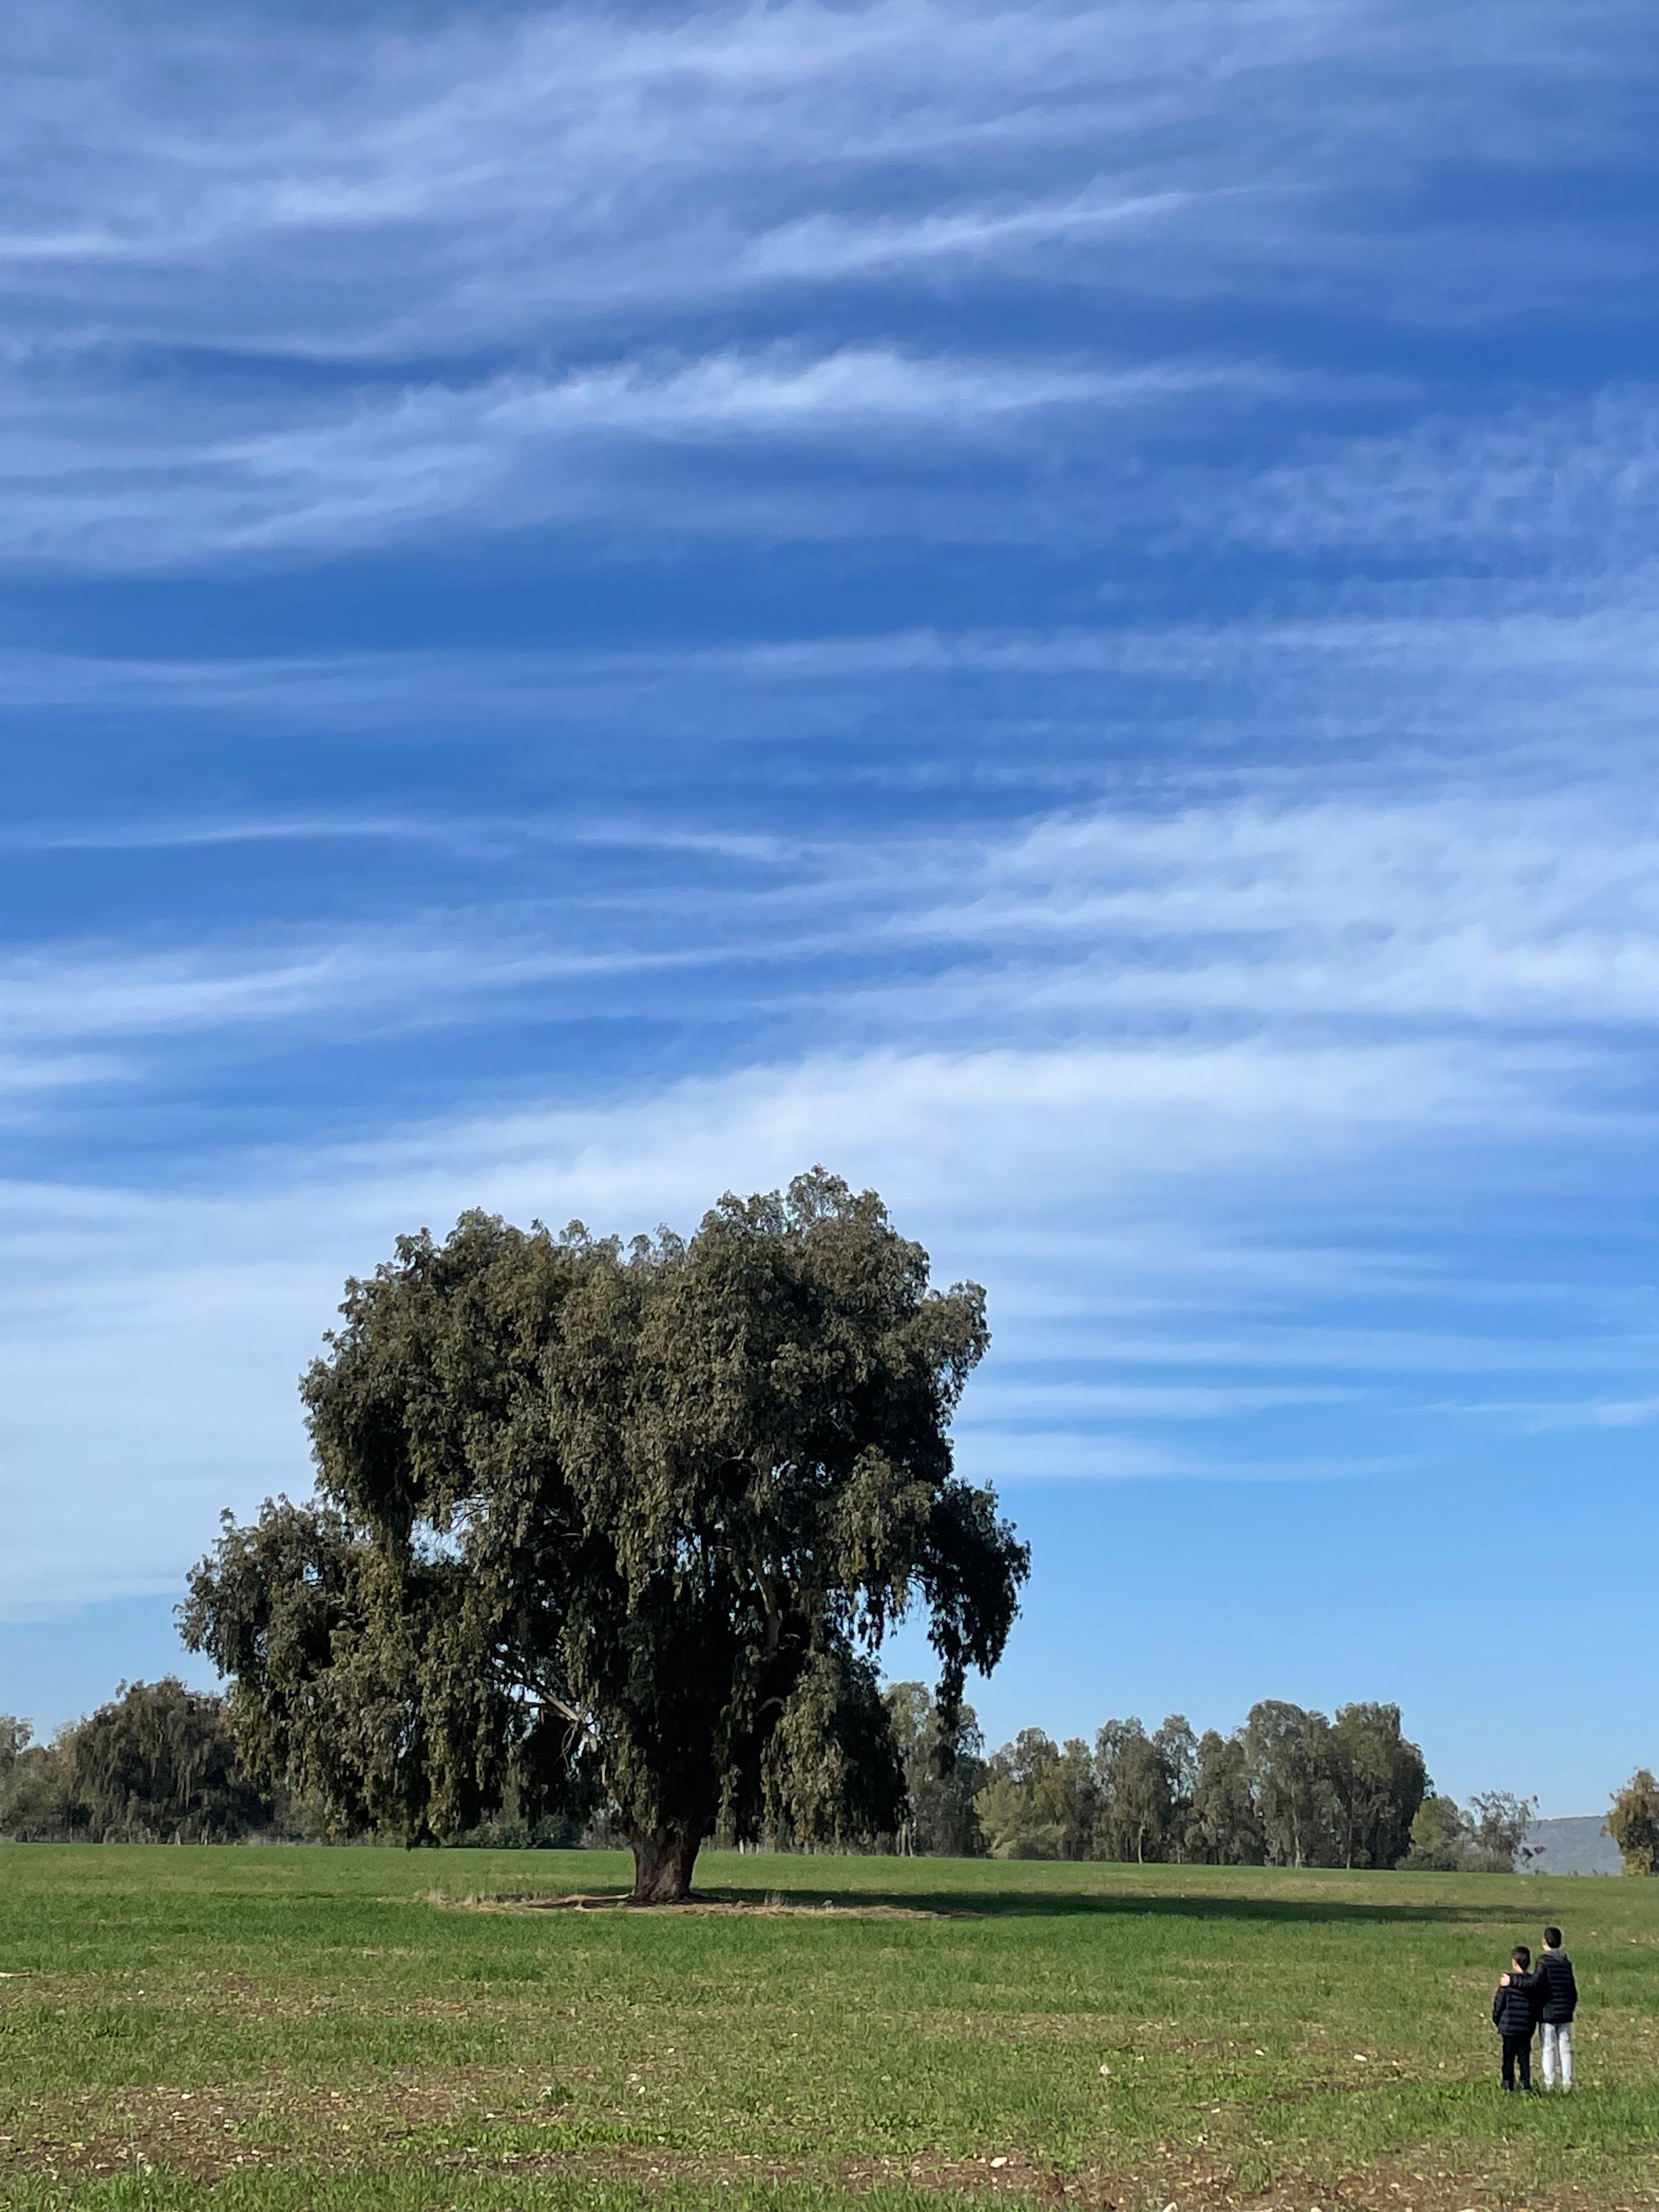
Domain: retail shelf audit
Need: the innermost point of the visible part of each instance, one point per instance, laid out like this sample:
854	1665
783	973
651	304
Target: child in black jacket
1556	1993
1515	2016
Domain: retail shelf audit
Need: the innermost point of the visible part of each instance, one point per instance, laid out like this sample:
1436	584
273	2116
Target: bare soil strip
204	2146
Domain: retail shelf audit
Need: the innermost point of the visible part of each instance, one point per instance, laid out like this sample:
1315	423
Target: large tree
622	1527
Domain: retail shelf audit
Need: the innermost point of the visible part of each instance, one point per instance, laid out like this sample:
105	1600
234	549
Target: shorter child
1514	2014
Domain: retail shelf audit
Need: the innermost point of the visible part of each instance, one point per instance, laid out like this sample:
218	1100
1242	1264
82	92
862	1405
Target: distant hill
1575	1846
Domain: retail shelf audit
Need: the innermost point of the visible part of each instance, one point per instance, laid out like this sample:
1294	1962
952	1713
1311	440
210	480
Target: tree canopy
625	1527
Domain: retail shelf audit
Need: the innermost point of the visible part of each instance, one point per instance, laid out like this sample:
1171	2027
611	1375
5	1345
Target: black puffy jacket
1515	2009
1555	1990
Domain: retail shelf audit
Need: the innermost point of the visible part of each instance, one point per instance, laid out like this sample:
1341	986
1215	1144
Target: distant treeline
159	1764
1289	1788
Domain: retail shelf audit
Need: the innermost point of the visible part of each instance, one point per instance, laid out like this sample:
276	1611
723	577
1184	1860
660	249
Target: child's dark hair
1551	1938
1520	1956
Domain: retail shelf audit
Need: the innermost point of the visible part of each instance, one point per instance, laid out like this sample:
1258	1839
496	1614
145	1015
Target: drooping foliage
624	1529
158	1763
1380	1779
1441	1841
1287	1753
1500	1820
1224	1822
1144	1786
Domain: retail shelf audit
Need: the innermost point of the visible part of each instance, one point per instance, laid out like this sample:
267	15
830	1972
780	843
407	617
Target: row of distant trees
160	1764
1288	1788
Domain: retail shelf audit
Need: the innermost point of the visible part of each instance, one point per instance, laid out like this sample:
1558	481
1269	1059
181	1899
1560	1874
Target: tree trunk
662	1866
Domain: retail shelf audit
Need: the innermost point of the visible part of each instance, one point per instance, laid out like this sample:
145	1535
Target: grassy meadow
253	2028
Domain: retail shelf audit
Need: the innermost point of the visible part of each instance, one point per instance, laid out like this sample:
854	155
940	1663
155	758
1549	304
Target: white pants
1557	2054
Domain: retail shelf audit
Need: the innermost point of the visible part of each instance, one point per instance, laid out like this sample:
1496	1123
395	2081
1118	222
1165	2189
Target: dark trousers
1517	2047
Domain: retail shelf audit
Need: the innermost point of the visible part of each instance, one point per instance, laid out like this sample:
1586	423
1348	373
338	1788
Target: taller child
1556	1995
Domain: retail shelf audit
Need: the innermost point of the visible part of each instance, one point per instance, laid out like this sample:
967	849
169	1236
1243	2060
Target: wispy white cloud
138	488
1230	1083
1541	912
1523	933
823	248
1057	451
1130	1188
421	973
1095	1456
182	833
162	1329
1534	1417
1008	1403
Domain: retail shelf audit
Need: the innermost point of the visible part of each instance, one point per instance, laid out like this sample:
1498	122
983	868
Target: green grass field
287	2029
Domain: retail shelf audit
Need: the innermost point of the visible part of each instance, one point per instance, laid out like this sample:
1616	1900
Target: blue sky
1052	607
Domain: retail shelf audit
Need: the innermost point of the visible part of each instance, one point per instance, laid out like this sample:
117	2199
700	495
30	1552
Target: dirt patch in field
1153	2185
767	1908
210	2135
